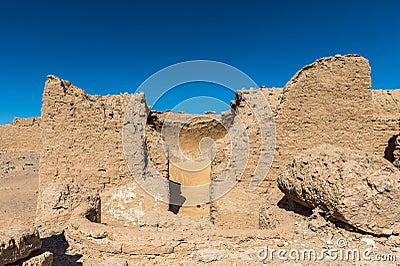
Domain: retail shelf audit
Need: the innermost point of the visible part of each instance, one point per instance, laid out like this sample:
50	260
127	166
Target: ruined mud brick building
83	162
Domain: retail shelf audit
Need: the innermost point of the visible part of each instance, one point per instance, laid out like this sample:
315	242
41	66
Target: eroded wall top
329	101
22	135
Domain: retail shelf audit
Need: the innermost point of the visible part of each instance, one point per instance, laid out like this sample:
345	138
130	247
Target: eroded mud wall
22	135
329	101
82	150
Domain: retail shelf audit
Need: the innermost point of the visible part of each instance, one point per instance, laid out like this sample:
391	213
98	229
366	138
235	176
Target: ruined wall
239	207
22	135
197	134
228	211
329	101
81	148
386	120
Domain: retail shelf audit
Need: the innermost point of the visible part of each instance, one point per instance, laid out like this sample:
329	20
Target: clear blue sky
107	47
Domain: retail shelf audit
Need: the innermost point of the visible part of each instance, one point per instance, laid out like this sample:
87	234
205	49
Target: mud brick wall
22	135
81	148
329	101
239	208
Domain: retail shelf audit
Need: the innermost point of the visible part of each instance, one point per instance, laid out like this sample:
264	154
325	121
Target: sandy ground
19	181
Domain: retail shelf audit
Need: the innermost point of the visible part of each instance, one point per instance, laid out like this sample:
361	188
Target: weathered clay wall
239	207
274	98
329	101
193	131
81	148
386	121
22	135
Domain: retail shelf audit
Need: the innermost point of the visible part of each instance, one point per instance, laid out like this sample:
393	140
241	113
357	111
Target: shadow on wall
58	245
390	149
175	194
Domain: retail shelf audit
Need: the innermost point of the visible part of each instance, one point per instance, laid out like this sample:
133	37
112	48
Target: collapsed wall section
180	145
329	101
22	135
